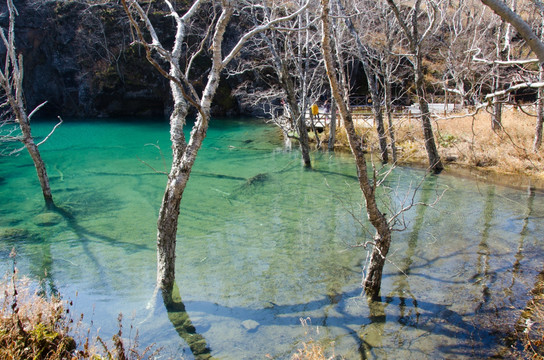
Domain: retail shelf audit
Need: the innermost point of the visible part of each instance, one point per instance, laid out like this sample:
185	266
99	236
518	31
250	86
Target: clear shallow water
263	239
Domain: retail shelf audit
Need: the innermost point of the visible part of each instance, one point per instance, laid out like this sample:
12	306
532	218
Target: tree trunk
184	156
299	119
372	84
435	164
167	223
332	125
32	148
303	138
496	117
378	117
382	239
539	114
389	112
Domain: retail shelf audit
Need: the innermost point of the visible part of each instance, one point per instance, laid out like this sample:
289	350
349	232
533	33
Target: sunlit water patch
263	242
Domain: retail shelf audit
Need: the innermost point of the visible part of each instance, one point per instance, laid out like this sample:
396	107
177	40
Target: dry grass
468	141
32	327
530	327
471	141
311	349
39	328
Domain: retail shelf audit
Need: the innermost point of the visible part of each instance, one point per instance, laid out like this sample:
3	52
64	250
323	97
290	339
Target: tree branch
501	9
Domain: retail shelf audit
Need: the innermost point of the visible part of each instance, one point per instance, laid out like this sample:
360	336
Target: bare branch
259	29
36	109
536	85
501	9
51	133
506	62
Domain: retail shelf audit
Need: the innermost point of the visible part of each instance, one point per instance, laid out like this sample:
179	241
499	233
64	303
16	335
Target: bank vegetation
467	144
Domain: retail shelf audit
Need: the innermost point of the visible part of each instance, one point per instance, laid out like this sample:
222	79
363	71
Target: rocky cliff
78	56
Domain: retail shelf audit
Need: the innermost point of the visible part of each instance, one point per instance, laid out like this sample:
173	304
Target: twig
52	131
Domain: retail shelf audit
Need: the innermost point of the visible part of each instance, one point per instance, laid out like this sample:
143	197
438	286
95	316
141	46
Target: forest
238	175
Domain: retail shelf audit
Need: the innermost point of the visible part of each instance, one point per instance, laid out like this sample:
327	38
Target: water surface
262	239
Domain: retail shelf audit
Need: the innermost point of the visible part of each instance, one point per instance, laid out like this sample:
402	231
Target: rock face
78	57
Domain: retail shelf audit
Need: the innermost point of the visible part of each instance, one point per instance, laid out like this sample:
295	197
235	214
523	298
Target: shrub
39	328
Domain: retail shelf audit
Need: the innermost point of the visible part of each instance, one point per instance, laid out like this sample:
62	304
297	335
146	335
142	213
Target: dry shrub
32	327
530	329
310	349
39	328
470	141
465	140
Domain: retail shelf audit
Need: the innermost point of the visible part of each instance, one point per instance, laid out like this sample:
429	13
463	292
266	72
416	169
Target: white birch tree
382	238
536	43
11	83
185	95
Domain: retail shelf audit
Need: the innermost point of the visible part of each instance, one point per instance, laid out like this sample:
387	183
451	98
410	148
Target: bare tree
372	81
524	29
382	239
466	32
185	95
536	44
292	53
11	82
410	25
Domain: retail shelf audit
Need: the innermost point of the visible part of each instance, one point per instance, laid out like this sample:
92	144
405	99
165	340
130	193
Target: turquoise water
263	239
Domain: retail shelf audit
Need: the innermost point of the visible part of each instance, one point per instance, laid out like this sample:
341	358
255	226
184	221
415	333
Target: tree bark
415	40
435	164
501	9
332	125
382	239
11	81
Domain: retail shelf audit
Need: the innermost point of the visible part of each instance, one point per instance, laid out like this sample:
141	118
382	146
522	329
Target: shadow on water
361	319
366	328
516	268
181	321
42	264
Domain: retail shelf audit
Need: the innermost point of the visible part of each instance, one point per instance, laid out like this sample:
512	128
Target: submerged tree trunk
382	239
32	148
11	81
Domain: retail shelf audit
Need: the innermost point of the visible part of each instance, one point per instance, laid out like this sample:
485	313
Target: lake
264	243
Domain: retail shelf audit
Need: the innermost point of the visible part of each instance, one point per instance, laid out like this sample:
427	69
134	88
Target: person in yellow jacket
315	109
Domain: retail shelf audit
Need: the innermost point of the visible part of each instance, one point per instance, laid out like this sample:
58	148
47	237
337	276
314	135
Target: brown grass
467	141
530	327
311	349
32	327
39	328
